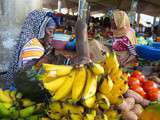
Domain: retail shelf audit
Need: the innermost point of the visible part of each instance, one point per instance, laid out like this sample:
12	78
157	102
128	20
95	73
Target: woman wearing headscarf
124	39
37	30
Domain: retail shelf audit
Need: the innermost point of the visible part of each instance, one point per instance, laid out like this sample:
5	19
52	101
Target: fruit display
86	92
146	88
14	107
77	83
115	84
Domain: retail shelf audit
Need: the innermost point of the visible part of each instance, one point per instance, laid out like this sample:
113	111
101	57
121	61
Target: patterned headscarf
33	27
123	28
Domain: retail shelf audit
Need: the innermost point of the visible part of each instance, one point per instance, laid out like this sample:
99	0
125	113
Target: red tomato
139	90
133	81
154	95
142	79
149	86
138	75
136	72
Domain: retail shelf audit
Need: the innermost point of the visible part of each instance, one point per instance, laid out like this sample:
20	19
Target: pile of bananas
114	84
67	111
14	107
85	92
72	83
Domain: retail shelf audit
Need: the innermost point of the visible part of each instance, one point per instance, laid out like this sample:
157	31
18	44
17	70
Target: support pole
138	20
59	5
82	47
154	21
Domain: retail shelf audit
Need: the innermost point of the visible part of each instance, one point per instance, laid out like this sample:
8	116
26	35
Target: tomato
133	81
138	75
142	79
149	86
136	72
139	90
154	95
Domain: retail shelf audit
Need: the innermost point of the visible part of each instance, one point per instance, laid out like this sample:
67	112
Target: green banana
103	101
4	112
26	112
27	102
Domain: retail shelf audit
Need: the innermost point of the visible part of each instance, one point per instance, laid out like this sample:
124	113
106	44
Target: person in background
107	25
149	38
124	39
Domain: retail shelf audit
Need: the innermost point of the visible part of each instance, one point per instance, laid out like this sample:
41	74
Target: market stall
81	87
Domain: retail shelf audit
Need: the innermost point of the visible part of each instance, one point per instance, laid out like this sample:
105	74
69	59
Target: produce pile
86	92
146	88
14	107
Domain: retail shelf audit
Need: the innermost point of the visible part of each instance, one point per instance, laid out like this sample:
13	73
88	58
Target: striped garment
32	50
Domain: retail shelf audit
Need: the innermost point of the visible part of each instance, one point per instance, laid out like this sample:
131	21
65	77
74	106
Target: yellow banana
55	84
103	101
66	88
13	94
7	92
55	107
112	114
45	78
59	70
76	117
97	69
72	109
91	85
115	99
116	73
111	63
90	102
55	116
27	102
106	85
90	116
4	98
79	83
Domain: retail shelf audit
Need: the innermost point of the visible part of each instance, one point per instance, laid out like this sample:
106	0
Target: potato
145	102
130	102
123	107
129	116
138	109
138	98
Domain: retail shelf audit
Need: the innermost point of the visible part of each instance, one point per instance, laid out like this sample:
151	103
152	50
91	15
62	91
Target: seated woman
124	39
35	48
37	30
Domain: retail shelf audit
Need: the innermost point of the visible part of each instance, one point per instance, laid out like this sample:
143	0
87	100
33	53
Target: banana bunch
114	84
13	106
70	83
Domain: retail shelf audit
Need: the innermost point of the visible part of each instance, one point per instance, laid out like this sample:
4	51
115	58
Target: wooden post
59	5
132	12
154	21
82	47
138	20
